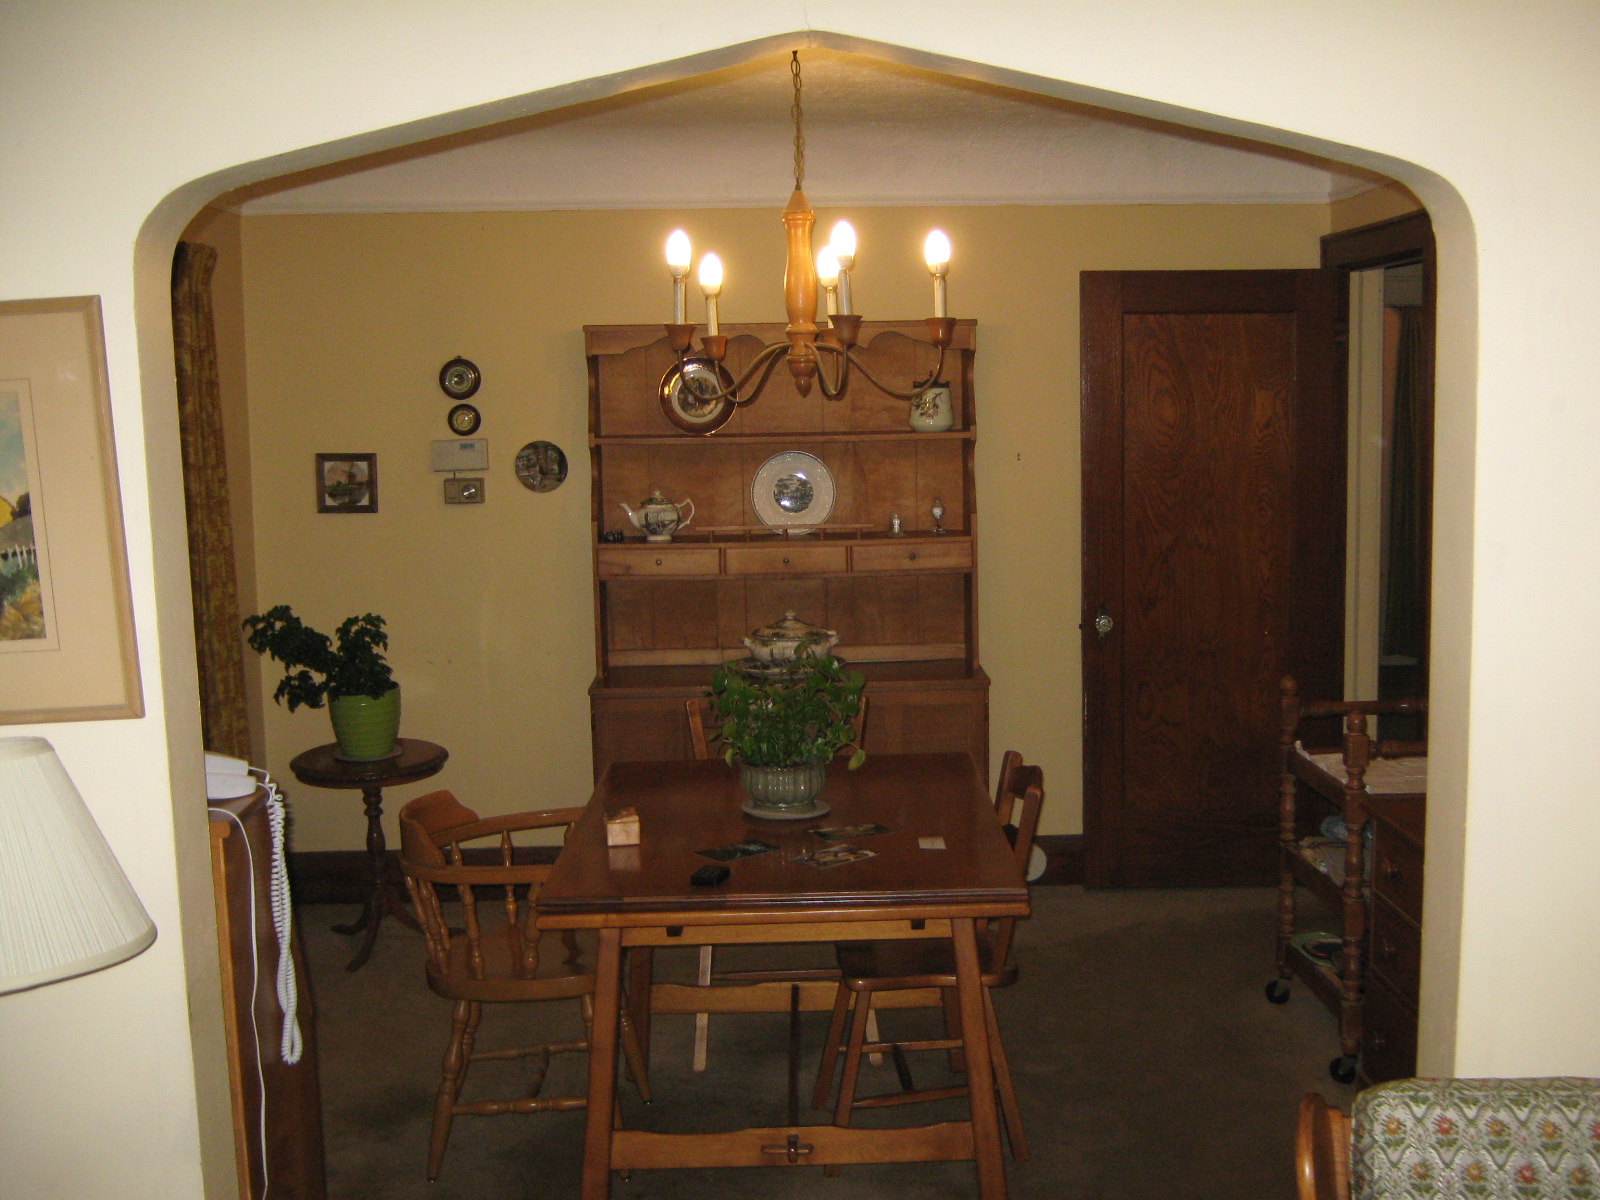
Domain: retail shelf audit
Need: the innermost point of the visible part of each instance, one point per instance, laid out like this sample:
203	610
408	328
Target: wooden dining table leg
980	1071
641	971
603	1067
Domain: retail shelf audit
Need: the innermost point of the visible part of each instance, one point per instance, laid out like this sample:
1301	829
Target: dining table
940	868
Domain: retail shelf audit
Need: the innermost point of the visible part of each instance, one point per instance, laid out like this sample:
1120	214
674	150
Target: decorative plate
464	420
541	466
459	378
689	395
793	488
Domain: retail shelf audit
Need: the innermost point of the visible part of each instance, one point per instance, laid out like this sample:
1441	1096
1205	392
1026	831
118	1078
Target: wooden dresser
1394	956
906	608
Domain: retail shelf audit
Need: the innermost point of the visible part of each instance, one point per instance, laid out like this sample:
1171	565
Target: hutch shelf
666	613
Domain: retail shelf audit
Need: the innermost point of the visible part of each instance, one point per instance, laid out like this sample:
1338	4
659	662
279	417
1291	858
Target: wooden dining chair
867	969
704	737
497	957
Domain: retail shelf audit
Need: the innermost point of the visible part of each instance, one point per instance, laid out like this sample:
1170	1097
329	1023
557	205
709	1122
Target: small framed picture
347	483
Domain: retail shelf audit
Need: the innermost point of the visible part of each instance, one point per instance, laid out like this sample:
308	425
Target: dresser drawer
622	562
919	556
1388	1035
1396	950
1397	870
787	560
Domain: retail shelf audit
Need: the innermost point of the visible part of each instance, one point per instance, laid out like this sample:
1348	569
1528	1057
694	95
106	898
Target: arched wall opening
1454	447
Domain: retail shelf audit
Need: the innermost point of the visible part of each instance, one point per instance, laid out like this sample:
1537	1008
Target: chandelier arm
764	363
765	359
836	389
917	388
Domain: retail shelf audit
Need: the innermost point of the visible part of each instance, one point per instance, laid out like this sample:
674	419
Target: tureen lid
791	629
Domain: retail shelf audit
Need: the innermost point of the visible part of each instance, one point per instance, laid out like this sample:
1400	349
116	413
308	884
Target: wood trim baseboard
345	876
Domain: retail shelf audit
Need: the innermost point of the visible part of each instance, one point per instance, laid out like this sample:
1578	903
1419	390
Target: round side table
324	767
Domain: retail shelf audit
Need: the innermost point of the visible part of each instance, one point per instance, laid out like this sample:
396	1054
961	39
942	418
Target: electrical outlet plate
463	491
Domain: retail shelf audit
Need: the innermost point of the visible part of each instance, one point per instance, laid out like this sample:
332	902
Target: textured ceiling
875	134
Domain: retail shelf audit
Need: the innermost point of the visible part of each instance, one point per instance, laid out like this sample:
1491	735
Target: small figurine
894	526
938	515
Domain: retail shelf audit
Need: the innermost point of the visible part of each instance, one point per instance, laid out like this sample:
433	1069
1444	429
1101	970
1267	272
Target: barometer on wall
459	378
464	420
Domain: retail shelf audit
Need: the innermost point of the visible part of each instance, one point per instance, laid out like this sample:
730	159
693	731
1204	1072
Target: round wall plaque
541	466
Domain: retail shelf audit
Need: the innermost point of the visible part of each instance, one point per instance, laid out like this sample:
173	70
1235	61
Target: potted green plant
782	727
348	670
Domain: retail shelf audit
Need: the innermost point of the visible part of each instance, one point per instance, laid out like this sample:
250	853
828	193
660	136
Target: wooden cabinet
277	1110
906	608
1394	965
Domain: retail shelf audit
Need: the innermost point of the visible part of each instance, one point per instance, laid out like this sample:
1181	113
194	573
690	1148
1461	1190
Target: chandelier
824	355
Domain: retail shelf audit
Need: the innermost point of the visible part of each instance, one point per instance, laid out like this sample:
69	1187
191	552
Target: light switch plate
460	454
463	491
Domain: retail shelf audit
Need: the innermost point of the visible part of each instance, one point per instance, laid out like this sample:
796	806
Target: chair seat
503	975
893	965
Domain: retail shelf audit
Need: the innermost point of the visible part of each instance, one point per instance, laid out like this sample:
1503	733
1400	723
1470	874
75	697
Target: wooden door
1213	559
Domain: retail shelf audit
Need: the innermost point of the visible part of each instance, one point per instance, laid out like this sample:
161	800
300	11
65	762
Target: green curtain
218	645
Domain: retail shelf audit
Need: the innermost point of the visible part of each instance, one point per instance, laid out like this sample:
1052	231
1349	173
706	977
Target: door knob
1103	624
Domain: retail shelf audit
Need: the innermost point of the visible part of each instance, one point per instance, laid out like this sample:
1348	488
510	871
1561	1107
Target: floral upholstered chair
1444	1139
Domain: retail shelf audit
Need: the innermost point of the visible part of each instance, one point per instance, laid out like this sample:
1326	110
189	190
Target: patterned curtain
218	647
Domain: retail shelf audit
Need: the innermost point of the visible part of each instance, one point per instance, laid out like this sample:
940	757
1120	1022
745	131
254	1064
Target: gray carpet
1148	1066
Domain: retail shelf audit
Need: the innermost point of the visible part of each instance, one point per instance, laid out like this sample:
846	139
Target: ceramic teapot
659	518
783	641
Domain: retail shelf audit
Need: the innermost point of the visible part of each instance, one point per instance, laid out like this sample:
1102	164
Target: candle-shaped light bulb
711	286
828	277
679	255
936	252
842	241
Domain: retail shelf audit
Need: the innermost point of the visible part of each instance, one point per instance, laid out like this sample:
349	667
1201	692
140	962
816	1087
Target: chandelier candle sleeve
711	286
828	277
679	255
936	253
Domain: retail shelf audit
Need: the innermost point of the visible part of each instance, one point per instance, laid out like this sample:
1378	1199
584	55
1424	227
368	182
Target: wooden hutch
906	607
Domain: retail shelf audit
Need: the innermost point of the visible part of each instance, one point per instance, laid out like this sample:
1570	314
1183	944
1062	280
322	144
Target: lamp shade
66	908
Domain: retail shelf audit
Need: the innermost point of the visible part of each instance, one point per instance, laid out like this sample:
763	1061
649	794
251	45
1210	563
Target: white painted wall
119	121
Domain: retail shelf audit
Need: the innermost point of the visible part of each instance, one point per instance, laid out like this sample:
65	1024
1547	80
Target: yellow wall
1375	204
112	150
490	608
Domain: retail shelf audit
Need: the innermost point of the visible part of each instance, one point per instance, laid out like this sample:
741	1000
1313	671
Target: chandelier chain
797	113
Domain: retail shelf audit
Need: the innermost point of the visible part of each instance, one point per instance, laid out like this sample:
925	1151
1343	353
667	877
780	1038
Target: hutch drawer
623	562
1397	869
918	556
787	560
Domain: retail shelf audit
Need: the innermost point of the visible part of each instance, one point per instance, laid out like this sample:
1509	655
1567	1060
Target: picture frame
67	646
347	483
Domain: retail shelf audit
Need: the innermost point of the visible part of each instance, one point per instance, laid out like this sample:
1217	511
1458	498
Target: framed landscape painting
66	622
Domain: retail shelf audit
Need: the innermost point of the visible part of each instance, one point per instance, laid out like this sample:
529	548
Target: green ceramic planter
365	727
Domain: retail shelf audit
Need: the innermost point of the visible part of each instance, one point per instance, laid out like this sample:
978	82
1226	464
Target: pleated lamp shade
66	908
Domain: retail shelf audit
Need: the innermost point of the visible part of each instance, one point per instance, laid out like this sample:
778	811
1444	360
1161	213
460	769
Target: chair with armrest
1450	1139
867	969
496	958
704	736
